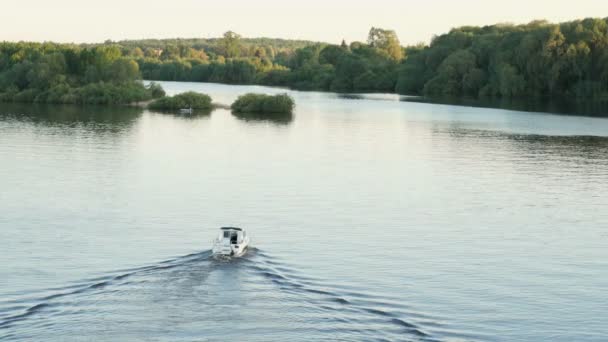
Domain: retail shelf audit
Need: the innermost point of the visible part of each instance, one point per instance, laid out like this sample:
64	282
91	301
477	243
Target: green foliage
386	40
156	90
123	70
538	59
62	73
231	44
111	93
264	104
332	54
300	65
184	100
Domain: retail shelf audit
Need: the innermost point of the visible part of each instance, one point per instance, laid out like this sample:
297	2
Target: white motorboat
231	242
186	110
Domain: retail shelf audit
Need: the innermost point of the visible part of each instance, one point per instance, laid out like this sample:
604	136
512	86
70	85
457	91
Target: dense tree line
538	59
534	60
211	48
60	73
370	66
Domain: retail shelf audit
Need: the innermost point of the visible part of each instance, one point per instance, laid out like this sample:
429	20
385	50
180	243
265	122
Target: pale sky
320	20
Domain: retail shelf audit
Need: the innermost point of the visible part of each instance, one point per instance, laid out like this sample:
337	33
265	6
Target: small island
189	100
277	109
263	104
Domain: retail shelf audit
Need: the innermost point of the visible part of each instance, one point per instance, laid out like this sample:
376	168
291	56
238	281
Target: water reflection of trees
196	114
568	148
532	147
346	96
275	118
556	106
53	115
372	96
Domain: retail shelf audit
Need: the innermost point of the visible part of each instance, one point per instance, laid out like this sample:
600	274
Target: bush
185	100
262	103
112	93
156	90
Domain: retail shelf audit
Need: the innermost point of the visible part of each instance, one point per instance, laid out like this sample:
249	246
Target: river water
372	219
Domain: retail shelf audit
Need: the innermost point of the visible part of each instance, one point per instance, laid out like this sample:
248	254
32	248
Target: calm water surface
372	219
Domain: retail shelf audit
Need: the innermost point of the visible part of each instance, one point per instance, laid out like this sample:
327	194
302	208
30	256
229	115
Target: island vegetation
190	100
263	104
536	60
276	109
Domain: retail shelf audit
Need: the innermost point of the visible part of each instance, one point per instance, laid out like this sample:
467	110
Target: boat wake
197	295
8	316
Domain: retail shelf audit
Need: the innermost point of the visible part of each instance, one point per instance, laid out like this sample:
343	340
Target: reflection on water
275	118
557	106
372	96
567	148
372	219
69	114
347	96
196	113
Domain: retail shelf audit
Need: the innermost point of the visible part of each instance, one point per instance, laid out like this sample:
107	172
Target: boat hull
230	250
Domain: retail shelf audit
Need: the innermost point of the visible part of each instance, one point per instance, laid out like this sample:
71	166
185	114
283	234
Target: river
372	219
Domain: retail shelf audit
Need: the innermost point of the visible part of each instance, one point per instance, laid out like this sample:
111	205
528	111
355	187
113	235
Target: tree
331	54
137	52
259	52
386	40
231	44
170	52
512	84
123	70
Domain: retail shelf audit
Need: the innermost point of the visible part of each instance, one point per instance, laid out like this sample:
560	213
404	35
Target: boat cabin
233	234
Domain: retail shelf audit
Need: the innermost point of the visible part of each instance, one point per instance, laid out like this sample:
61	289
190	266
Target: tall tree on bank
231	44
386	40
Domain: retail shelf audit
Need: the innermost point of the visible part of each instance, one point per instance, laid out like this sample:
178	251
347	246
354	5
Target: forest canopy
62	73
370	66
539	59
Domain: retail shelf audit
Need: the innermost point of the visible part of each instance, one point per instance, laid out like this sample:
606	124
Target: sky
319	20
